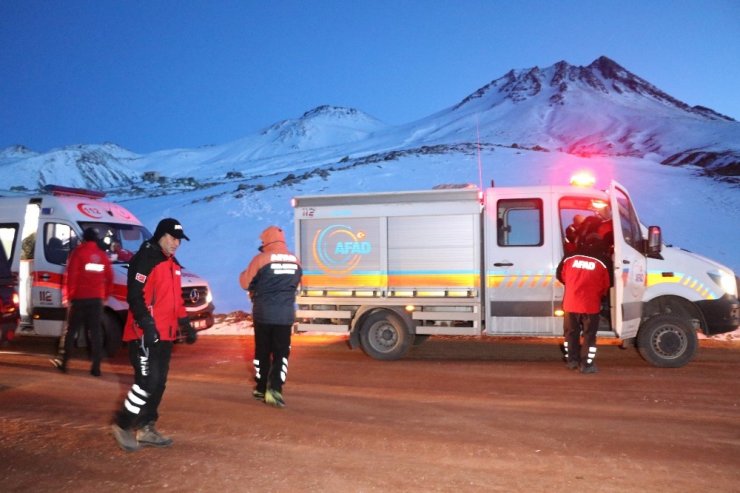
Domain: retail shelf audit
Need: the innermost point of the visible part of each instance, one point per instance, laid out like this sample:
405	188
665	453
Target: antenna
480	163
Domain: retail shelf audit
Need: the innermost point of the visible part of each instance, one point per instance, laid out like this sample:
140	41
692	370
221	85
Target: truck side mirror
654	241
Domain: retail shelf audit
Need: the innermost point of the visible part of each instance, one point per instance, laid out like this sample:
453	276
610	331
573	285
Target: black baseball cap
172	227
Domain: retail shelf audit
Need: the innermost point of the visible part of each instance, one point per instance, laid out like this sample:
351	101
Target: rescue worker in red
156	311
571	233
586	278
88	283
272	279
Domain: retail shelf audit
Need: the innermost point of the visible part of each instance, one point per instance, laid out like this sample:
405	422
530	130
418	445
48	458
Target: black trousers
85	314
575	324
151	367
271	352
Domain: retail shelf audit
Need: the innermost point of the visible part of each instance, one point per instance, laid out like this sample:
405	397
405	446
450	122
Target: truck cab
41	230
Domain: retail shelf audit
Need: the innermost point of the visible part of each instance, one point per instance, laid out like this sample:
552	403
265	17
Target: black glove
191	335
151	334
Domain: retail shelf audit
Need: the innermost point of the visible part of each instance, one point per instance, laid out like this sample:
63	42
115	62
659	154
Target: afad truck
391	269
38	232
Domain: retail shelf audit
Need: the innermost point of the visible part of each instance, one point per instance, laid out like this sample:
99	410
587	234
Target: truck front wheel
384	336
667	341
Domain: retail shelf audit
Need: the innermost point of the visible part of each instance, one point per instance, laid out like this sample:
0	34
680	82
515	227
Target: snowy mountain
536	127
598	110
98	167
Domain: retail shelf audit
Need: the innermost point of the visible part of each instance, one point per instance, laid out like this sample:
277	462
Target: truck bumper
721	315
202	319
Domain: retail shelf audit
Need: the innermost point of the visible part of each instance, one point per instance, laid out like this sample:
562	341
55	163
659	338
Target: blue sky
152	75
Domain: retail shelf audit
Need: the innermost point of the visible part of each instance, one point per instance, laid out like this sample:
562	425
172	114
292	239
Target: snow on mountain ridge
598	110
322	126
88	166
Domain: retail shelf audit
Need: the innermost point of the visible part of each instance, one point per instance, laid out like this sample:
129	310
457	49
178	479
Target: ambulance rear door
630	265
521	246
55	239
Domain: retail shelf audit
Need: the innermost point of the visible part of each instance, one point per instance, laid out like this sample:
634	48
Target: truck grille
194	296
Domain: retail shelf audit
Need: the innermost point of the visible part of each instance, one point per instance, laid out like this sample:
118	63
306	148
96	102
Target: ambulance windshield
120	241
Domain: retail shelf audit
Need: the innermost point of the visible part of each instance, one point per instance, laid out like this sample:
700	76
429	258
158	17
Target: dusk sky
152	75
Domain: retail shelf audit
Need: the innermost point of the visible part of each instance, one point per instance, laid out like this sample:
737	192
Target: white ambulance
40	230
390	269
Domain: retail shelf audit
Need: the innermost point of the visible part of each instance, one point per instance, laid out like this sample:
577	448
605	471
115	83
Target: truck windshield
120	241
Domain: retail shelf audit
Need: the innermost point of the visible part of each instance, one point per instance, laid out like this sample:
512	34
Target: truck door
630	265
54	242
519	263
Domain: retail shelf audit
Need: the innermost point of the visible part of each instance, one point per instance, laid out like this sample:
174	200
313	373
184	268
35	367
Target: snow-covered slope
598	110
88	166
602	109
224	221
529	127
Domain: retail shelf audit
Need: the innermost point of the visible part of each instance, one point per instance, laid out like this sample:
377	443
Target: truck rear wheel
667	341
384	336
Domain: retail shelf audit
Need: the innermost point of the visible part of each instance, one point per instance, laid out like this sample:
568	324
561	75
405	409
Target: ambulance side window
8	234
59	240
519	222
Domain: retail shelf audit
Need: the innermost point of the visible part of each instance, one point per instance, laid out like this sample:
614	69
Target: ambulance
391	269
39	231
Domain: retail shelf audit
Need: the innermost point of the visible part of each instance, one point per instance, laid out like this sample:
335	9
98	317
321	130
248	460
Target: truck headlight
725	280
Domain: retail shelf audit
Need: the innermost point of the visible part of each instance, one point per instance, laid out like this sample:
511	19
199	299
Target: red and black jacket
89	273
586	281
154	294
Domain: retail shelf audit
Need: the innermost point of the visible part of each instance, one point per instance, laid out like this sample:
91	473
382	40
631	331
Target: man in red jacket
586	279
156	310
88	283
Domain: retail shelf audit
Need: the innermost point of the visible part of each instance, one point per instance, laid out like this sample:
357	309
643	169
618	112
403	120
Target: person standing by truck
272	279
88	283
156	310
586	279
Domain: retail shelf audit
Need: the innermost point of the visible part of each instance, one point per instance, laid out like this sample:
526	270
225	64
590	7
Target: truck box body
387	268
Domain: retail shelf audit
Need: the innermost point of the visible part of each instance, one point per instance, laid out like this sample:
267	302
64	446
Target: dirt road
455	415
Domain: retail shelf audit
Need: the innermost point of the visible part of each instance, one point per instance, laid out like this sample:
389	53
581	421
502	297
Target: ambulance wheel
667	341
112	333
384	336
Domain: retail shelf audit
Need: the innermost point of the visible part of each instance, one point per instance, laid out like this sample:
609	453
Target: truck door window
630	225
59	240
576	214
519	222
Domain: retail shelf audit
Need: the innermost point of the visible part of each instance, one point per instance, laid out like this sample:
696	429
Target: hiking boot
126	438
59	364
589	369
149	436
258	395
572	365
274	398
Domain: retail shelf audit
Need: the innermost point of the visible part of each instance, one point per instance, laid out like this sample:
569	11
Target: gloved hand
191	335
151	334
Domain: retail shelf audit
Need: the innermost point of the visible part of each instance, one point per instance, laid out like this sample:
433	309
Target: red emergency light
59	190
583	179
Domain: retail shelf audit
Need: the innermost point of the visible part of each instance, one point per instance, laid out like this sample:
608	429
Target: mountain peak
603	76
330	111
